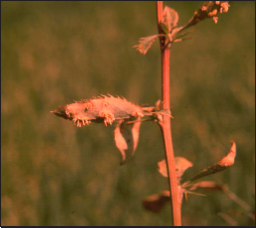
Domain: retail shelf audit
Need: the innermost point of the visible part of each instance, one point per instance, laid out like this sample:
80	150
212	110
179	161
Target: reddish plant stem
166	124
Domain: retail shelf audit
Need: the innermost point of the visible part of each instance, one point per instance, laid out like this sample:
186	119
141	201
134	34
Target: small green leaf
224	163
145	43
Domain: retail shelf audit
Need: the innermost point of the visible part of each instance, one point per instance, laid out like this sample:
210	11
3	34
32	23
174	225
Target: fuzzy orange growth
103	109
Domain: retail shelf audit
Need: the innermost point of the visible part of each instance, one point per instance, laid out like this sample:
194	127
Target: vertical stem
166	124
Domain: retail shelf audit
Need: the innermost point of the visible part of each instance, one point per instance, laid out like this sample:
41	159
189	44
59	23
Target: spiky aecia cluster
102	109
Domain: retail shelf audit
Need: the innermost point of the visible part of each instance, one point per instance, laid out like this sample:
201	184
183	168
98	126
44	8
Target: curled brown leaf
126	138
224	163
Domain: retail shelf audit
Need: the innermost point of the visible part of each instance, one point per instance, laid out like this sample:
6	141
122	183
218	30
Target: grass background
52	53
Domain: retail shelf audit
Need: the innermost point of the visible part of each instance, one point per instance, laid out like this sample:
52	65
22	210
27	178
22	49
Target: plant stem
166	124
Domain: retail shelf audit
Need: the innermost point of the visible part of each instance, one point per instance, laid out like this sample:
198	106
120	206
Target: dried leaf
156	202
181	164
224	163
145	43
127	137
171	18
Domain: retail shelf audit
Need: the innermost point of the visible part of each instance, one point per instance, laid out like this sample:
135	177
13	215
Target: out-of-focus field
52	53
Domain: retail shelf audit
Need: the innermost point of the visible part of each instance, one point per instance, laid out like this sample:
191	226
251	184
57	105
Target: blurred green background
52	53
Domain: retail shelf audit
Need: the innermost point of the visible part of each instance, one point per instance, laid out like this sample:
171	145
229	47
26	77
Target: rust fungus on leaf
103	109
106	110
